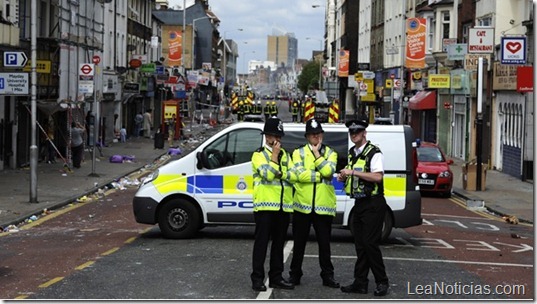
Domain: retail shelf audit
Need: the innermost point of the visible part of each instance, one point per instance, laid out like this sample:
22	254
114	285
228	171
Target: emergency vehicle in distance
213	184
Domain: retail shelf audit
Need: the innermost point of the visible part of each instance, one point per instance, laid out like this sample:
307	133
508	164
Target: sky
262	18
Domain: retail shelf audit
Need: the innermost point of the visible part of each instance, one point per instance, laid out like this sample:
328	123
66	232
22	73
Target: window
486	21
465	31
431	29
430	154
233	148
445	24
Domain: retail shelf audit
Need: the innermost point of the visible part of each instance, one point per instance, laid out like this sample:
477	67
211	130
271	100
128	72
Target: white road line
265	295
457	216
432	261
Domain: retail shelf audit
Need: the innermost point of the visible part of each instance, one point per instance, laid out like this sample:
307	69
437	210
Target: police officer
314	202
363	178
273	204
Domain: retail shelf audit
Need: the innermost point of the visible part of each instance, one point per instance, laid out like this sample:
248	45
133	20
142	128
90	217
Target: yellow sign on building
439	81
389	83
41	66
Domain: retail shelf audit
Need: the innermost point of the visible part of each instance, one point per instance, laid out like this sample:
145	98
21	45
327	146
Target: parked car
433	172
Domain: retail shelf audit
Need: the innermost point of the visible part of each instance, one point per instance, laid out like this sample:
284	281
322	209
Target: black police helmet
356	125
313	127
273	126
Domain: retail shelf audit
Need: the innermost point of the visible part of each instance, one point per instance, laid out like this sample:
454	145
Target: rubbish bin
159	140
469	176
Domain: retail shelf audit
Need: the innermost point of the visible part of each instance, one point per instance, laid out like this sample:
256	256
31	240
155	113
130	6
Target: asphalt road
97	251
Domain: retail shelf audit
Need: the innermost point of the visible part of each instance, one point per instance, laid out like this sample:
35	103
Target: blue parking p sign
15	59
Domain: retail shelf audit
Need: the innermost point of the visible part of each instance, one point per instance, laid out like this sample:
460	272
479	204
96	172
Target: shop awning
128	97
424	100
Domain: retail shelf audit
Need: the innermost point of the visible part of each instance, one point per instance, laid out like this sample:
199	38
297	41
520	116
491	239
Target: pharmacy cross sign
457	51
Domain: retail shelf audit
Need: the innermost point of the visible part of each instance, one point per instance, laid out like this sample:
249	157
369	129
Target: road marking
432	261
456	216
130	240
110	251
21	297
265	295
82	266
47	284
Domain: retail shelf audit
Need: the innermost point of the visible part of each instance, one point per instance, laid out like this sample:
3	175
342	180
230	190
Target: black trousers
367	223
322	224
77	154
269	225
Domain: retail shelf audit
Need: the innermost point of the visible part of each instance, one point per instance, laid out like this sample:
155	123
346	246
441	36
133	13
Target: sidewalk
57	187
503	194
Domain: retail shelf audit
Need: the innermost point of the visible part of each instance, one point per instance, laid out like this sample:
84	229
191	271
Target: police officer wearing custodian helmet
314	202
363	177
273	204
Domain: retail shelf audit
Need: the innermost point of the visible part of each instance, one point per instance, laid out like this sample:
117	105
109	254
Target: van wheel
387	226
179	219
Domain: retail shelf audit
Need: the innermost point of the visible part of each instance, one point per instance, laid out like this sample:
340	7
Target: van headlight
149	178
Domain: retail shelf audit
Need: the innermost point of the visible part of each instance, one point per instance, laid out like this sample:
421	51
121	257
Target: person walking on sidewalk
363	178
148	123
77	143
314	202
138	124
273	203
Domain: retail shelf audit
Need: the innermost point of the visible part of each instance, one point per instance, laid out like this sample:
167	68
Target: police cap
356	125
273	126
313	127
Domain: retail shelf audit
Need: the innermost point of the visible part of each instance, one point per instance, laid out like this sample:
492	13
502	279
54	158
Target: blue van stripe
209	184
190	184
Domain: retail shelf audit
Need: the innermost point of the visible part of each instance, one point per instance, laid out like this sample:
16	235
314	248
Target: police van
213	184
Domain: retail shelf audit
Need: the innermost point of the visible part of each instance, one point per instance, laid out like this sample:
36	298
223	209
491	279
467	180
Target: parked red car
433	172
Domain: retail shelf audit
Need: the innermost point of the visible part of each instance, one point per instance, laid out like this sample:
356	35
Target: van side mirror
202	160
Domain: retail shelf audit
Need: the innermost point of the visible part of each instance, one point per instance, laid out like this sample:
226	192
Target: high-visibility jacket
274	110
272	193
294	109
247	109
258	109
314	189
357	187
267	110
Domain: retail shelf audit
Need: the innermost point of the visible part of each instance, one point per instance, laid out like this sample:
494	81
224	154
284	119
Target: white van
213	184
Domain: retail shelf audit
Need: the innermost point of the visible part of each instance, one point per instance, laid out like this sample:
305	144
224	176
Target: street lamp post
183	38
193	57
320	60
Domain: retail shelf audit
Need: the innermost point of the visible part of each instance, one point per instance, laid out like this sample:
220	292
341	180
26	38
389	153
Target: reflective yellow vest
314	189
270	192
358	188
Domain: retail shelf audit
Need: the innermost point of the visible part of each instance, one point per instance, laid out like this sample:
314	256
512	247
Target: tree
309	77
